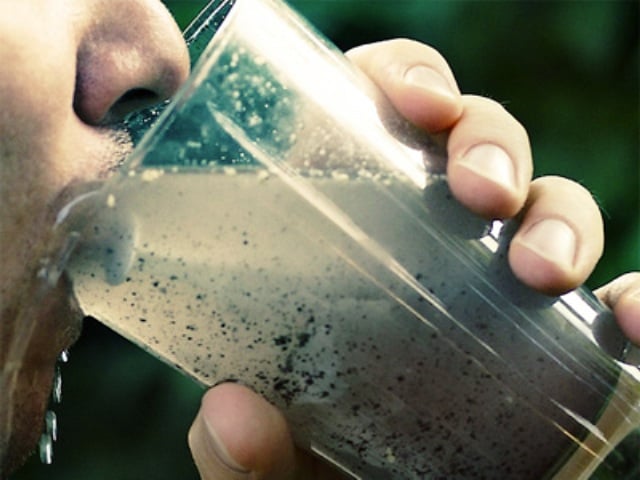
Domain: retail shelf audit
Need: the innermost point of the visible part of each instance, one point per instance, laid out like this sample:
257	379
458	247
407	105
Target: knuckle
398	50
480	107
562	187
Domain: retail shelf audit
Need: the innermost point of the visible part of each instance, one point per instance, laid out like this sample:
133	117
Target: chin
57	326
29	404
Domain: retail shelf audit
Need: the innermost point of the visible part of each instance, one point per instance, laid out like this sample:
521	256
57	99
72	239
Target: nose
130	55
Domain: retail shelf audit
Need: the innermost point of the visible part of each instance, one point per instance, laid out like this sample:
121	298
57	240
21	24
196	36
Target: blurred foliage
568	70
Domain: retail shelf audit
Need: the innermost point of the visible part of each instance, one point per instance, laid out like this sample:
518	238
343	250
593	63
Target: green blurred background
568	70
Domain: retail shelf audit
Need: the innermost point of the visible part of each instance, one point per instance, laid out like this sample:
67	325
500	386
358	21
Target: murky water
388	328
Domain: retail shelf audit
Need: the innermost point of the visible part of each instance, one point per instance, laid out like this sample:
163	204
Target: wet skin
70	68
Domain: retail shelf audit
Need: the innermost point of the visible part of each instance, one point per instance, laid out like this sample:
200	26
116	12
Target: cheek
37	81
36	90
37	54
34	99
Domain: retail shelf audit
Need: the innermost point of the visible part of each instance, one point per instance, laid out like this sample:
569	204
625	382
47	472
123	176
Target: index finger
416	79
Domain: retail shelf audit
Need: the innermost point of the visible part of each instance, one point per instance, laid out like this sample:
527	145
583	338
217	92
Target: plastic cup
281	226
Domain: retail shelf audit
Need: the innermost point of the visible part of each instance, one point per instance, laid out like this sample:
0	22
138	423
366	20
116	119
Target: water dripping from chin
50	433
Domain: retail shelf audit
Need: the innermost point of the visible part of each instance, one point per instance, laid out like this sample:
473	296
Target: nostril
130	101
98	99
96	102
129	57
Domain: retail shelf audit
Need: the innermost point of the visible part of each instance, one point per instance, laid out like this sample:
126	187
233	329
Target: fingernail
429	79
554	240
491	162
210	453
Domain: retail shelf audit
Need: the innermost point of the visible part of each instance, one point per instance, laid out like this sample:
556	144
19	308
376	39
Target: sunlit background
568	70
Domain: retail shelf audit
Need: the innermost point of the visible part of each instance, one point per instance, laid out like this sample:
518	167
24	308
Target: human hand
237	434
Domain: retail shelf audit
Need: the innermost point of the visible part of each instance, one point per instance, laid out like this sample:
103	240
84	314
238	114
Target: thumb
416	79
210	454
622	295
238	435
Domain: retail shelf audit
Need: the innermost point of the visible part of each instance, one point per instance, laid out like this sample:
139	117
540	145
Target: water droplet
64	356
51	424
45	448
50	434
56	390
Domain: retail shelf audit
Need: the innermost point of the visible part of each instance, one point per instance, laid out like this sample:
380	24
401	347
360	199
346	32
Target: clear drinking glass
281	226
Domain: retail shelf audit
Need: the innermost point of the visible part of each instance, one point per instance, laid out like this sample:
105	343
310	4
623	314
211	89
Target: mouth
39	317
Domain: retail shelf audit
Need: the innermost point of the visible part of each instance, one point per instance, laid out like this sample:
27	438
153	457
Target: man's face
69	69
